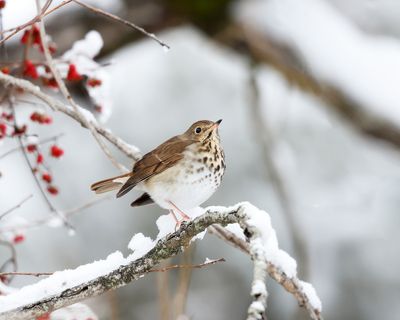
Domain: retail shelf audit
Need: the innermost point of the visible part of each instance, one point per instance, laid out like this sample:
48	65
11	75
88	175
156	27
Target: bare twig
125	22
34	274
39	185
32	21
15	207
168	268
65	213
12	259
67	95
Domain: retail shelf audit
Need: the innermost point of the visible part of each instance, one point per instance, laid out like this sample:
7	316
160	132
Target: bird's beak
216	124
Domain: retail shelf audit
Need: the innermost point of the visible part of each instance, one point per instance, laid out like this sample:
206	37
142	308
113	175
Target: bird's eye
197	130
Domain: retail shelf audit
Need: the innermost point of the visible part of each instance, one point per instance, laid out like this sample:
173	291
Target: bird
178	175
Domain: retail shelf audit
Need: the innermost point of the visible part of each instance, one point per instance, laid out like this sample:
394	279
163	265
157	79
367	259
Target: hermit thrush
179	174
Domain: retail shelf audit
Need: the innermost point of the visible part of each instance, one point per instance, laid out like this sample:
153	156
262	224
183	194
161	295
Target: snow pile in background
82	56
333	48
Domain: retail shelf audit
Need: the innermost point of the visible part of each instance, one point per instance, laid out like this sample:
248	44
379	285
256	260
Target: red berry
52	190
30	70
31	148
73	74
25	36
52	83
45	316
18	238
5	70
47	120
39	158
47	177
56	152
2	4
93	82
34	116
3	129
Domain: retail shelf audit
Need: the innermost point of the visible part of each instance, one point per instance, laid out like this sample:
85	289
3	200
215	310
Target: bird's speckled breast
193	180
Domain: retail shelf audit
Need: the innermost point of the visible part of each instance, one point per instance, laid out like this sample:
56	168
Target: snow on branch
129	150
71	286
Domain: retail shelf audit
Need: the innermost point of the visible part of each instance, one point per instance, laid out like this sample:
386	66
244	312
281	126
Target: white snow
258	288
81	55
311	294
89	46
262	221
60	281
257	306
140	245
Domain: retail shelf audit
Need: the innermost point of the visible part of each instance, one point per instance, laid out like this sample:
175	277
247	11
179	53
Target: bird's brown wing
155	162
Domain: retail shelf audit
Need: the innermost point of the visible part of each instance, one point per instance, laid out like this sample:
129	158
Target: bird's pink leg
177	222
184	215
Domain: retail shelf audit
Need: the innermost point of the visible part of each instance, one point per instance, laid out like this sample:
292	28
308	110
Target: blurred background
309	96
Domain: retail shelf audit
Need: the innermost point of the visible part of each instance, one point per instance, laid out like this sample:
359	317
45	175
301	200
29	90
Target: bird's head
203	130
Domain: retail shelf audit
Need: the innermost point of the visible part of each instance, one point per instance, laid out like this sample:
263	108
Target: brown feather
108	184
163	157
142	200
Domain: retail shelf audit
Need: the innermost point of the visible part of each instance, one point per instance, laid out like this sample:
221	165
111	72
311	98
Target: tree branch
129	150
262	49
245	214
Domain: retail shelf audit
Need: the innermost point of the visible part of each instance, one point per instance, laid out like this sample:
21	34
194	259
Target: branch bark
166	247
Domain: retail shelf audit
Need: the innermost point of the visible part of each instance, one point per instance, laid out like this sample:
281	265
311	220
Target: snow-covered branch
129	150
67	287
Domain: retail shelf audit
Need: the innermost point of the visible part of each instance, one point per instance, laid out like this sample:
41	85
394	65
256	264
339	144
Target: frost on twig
70	286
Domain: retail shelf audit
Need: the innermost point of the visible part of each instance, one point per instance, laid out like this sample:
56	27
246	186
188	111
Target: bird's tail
110	184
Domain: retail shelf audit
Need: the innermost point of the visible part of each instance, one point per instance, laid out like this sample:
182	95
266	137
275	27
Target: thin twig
44	141
15	207
125	22
66	214
39	185
189	266
129	150
32	21
34	274
12	259
67	95
168	268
